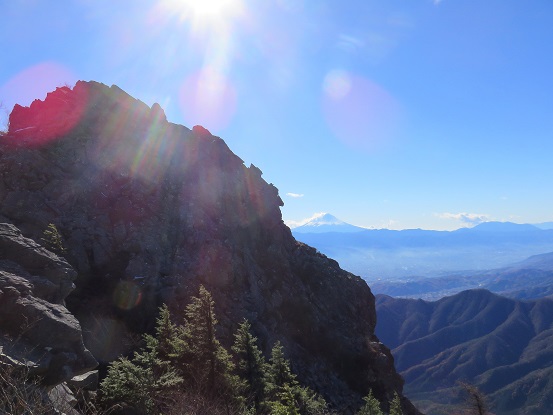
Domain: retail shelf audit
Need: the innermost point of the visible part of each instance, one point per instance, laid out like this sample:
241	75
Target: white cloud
436	2
295	195
467	219
293	223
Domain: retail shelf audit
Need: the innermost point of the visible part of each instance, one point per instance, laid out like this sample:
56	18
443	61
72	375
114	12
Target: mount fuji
325	222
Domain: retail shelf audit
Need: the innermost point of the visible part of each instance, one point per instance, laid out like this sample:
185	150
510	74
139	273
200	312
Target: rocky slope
36	329
503	346
148	210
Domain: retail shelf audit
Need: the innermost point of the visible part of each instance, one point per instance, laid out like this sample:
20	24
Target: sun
201	11
209	8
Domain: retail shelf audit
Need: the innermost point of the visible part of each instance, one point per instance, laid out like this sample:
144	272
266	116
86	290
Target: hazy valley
431	264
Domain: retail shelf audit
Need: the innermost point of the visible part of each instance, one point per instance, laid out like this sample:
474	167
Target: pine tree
286	403
371	407
167	335
145	382
251	365
279	369
286	393
210	367
395	405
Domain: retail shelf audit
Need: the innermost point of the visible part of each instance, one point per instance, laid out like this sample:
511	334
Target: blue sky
400	114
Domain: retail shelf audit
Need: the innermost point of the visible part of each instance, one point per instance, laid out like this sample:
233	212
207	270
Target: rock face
35	327
148	210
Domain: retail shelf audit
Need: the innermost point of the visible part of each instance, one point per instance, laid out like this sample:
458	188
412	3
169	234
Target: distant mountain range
525	280
383	254
501	345
544	225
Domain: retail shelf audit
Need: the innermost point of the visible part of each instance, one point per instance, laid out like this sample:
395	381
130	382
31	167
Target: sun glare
205	9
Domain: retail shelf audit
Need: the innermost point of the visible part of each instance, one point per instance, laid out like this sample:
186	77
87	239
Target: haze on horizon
432	114
325	218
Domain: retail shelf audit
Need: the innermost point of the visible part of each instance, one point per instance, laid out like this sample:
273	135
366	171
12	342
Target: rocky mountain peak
148	210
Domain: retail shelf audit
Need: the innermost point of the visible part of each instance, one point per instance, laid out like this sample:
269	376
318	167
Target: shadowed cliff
148	210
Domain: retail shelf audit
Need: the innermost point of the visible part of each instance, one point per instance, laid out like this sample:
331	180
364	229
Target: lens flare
127	295
359	112
35	81
337	84
104	337
208	98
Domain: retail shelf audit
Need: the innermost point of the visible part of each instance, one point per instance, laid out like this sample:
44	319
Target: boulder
86	381
36	329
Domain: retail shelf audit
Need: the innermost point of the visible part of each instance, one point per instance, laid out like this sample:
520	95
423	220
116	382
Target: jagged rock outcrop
148	210
36	330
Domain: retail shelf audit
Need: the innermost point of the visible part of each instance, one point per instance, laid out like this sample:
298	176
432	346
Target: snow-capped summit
325	222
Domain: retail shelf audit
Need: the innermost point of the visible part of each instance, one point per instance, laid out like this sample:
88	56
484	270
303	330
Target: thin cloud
293	223
436	2
295	195
467	219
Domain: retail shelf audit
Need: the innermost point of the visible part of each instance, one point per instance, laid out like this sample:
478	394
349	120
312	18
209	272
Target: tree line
184	369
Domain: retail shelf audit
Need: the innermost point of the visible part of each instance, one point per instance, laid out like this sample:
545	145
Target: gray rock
63	400
36	330
87	381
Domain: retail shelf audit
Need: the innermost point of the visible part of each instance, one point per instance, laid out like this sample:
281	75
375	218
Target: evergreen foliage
284	391
144	382
208	366
251	366
167	335
52	240
395	405
185	368
371	407
286	403
279	372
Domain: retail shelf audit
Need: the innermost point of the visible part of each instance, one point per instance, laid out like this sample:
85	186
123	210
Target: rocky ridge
148	210
36	329
501	345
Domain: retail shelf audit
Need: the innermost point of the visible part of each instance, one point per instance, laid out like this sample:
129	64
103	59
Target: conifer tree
279	368
167	335
251	365
286	403
209	367
286	394
144	382
395	405
371	407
